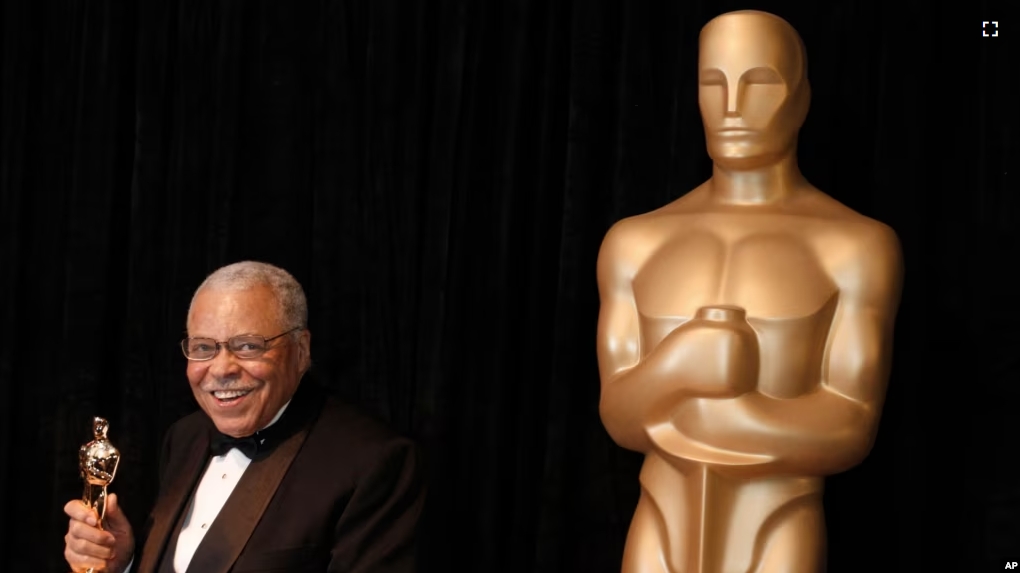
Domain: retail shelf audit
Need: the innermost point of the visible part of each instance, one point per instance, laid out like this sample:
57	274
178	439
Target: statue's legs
691	520
646	550
793	539
95	498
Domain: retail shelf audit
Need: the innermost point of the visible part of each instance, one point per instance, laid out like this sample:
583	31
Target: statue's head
752	88
100	427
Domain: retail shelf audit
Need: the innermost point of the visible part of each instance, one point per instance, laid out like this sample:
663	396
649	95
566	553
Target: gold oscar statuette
98	461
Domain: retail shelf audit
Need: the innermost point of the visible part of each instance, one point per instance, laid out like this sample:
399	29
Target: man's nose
224	364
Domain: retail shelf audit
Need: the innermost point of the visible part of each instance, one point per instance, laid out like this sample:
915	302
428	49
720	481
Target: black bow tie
250	446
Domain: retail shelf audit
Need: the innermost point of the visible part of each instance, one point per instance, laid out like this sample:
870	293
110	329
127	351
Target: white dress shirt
216	485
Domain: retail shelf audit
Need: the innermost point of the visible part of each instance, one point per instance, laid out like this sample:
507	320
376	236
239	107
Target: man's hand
110	549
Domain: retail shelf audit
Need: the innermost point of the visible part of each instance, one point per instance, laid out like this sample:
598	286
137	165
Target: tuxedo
335	491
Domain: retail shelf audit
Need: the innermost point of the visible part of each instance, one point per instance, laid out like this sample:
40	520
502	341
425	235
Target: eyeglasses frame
220	344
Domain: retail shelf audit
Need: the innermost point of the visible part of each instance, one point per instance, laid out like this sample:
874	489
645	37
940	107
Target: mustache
220	385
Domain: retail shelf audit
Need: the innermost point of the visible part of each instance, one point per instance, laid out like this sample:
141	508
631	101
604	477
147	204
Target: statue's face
752	90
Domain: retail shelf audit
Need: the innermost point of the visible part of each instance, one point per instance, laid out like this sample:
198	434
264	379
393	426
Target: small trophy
98	461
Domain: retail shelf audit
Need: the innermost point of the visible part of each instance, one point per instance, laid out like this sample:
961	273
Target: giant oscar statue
745	329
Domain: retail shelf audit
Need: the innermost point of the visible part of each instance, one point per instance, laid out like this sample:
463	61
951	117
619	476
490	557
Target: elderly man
272	474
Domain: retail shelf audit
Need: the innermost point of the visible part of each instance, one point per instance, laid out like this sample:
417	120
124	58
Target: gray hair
290	297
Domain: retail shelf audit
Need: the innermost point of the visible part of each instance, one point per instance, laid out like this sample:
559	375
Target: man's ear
304	343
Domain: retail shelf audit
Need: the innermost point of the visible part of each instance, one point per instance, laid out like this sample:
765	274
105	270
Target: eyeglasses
245	346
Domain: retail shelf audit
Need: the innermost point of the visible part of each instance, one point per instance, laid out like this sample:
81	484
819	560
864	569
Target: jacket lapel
235	523
168	507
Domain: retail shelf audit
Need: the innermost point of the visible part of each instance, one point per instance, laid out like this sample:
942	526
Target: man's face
242	396
749	71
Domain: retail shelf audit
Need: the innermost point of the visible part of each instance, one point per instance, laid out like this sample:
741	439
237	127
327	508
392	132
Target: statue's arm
631	387
94	468
832	428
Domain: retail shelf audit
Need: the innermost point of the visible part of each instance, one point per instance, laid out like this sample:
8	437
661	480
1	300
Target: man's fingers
86	548
112	504
114	516
78	511
82	562
79	530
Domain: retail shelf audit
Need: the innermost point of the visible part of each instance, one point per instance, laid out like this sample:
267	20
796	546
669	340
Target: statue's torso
783	270
767	264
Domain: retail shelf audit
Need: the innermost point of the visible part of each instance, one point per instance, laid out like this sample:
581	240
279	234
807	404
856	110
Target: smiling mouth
229	396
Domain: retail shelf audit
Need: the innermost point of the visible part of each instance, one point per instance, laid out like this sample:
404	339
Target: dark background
439	176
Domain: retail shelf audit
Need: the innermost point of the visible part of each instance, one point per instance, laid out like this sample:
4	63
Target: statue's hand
97	476
710	358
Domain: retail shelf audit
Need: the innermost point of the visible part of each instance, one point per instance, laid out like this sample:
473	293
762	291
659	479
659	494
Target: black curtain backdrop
439	176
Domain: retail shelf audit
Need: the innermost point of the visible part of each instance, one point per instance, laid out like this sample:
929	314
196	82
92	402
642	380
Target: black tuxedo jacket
339	493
